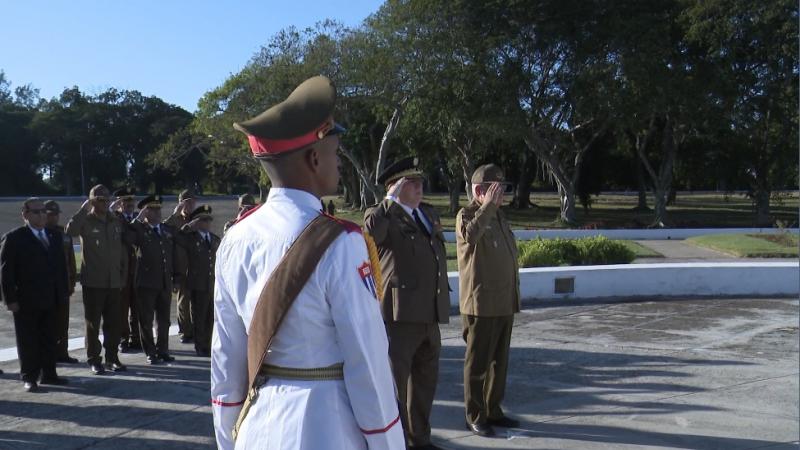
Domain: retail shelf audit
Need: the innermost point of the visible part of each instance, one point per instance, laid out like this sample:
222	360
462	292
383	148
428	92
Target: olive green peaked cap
305	117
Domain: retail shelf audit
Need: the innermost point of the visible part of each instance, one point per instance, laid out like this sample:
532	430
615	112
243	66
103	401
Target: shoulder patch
348	226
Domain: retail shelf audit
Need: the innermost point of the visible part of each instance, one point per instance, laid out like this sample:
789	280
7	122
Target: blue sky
174	49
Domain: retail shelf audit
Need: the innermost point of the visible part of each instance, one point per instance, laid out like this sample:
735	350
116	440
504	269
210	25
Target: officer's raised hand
396	188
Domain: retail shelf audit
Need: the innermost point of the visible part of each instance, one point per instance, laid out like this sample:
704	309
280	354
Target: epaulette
246	214
350	227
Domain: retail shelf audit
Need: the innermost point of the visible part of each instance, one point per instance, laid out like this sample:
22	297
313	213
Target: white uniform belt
333	372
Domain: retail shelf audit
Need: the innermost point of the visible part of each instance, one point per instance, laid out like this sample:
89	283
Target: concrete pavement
699	374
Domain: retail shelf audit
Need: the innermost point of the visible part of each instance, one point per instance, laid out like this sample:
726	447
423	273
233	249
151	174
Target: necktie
420	224
43	239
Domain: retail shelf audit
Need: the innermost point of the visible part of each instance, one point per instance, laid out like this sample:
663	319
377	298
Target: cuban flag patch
366	274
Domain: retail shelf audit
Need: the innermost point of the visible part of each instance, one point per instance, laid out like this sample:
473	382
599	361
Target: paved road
699	374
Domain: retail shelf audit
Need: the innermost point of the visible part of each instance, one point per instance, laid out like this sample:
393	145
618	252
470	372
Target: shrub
572	252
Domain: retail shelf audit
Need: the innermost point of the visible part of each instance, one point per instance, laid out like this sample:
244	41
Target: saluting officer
154	275
488	298
179	218
62	310
200	246
328	384
246	203
103	270
125	208
408	234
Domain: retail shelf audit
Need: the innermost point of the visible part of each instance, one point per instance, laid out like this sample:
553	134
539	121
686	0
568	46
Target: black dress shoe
505	422
67	360
116	366
98	369
186	340
424	447
55	381
153	359
203	353
31	386
166	358
481	429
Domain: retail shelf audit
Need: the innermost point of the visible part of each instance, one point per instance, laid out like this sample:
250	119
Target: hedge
573	252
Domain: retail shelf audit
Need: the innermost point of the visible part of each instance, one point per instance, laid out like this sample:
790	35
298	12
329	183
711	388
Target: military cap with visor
124	193
202	212
52	207
246	200
305	117
489	173
406	167
151	201
185	194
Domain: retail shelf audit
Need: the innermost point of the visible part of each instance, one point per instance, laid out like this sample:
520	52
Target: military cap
406	167
124	193
202	212
151	201
305	117
246	200
52	207
98	189
488	173
185	194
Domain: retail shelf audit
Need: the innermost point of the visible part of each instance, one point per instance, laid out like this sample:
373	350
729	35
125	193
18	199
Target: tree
753	48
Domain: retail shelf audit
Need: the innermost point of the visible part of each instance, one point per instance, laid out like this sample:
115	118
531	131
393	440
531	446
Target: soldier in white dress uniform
334	320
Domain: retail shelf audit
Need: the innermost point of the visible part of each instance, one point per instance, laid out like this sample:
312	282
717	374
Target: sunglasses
100	199
36	211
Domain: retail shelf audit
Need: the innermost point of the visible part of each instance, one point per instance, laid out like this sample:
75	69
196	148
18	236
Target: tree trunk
522	191
642	185
660	211
567	197
391	129
761	198
467	166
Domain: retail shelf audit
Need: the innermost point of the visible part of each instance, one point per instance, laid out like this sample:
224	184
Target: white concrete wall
633	234
649	280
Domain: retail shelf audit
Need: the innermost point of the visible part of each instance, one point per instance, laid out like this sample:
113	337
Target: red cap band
263	146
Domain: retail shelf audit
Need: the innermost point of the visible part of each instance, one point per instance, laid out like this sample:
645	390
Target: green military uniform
488	298
154	275
102	276
129	319
415	299
200	248
177	221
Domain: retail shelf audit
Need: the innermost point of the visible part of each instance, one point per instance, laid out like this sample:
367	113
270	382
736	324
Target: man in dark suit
200	245
33	280
62	315
154	277
416	299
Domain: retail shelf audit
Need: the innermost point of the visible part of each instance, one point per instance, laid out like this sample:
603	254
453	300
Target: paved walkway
699	374
675	251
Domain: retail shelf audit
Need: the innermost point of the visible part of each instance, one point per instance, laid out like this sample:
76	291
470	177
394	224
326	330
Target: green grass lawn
639	250
783	245
616	211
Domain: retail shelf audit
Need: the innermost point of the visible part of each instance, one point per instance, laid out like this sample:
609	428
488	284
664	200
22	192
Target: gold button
438	291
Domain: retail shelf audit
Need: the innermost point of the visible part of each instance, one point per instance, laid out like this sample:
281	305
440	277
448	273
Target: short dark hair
26	205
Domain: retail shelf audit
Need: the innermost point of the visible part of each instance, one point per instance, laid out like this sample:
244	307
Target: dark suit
154	274
62	312
199	286
35	278
415	300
